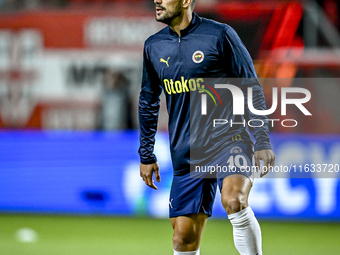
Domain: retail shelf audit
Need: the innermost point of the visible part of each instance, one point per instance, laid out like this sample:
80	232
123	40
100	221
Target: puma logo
166	62
170	203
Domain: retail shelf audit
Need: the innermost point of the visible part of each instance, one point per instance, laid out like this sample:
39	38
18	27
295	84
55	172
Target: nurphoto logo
239	105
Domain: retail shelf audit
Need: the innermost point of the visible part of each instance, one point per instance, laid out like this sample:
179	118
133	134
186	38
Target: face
168	10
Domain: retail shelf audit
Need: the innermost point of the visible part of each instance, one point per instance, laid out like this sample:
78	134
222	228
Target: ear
186	3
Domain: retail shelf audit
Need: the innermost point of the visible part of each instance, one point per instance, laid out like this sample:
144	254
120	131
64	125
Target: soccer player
175	58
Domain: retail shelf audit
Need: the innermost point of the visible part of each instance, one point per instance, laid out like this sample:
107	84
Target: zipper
180	49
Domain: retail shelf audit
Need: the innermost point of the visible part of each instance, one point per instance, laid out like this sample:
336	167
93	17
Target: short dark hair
193	4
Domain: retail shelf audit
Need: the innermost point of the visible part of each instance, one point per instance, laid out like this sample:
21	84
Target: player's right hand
146	172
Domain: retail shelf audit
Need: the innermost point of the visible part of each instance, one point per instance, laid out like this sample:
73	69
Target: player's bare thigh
235	192
188	231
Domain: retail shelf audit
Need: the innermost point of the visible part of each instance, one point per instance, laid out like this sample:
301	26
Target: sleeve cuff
260	147
148	161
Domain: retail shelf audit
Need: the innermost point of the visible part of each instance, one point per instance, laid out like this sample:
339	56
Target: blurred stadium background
70	74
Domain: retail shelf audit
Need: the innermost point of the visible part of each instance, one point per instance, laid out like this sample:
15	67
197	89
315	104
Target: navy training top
179	65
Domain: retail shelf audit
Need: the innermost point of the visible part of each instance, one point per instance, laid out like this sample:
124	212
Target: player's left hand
268	157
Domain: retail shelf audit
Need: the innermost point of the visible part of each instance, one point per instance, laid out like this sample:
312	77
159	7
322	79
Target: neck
181	22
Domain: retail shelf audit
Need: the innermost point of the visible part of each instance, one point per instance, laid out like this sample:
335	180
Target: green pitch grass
80	235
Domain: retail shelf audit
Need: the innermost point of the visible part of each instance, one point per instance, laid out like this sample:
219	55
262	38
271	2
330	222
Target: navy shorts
195	192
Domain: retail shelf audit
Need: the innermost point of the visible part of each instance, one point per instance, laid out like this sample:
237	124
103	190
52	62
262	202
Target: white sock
247	232
187	252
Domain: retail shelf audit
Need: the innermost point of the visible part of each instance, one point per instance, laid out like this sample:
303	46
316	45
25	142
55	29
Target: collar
195	21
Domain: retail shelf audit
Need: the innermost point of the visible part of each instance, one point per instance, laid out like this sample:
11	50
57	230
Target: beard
169	15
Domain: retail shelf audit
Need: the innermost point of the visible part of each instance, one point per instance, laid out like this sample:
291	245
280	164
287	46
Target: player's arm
242	67
149	100
263	150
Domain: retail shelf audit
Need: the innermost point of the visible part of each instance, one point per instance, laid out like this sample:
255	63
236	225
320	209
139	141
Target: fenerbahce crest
198	57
